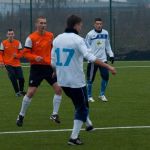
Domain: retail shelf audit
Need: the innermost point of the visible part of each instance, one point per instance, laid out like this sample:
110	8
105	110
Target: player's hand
112	59
112	70
39	59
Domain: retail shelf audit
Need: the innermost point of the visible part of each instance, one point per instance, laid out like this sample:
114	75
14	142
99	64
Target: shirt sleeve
88	40
27	50
108	47
20	46
86	52
2	47
28	43
1	53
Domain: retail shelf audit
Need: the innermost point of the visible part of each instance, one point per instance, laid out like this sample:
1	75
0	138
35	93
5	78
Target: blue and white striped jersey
99	44
68	52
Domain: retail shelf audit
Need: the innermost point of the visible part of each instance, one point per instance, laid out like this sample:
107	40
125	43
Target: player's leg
52	80
13	79
88	123
91	72
81	112
21	80
34	81
56	102
105	77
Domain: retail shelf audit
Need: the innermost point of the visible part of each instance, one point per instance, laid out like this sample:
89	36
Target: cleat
55	118
89	128
90	99
75	142
18	94
22	93
103	98
19	121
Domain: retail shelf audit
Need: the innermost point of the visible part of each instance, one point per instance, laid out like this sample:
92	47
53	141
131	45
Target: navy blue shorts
80	101
40	72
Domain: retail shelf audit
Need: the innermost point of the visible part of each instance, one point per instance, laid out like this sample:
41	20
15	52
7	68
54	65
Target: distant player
37	50
10	54
68	52
98	41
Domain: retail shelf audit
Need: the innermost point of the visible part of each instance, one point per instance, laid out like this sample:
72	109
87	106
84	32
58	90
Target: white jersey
68	52
99	44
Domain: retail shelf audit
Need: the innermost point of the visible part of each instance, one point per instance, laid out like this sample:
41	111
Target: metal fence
130	21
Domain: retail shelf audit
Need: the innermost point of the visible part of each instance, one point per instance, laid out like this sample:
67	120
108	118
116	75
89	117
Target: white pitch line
115	67
132	66
66	130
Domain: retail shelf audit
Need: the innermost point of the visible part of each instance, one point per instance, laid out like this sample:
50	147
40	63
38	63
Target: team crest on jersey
98	43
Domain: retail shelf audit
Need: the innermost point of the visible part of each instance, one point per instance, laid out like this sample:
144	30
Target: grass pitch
128	106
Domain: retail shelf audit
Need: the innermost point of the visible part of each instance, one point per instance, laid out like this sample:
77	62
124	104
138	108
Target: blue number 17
67	61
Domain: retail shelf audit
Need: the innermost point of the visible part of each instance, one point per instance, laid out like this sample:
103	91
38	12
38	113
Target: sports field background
128	106
127	22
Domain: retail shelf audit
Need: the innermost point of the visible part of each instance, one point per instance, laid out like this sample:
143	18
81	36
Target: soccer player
67	56
98	41
37	50
10	54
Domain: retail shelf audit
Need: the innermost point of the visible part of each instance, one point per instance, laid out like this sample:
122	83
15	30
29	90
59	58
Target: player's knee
81	114
31	92
58	90
12	77
105	77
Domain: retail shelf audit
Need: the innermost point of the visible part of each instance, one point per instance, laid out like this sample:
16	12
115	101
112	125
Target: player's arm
27	52
109	50
19	54
1	55
53	61
90	57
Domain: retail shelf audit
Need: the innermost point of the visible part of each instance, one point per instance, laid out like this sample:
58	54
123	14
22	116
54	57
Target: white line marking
132	66
66	130
115	67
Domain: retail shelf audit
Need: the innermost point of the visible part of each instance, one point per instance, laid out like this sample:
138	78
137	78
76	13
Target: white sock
25	104
56	103
88	122
76	128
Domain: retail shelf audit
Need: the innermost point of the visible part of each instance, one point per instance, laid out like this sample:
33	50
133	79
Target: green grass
128	105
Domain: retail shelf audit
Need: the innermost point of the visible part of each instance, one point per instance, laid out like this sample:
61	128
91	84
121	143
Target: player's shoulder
32	35
104	31
4	41
91	32
49	34
16	41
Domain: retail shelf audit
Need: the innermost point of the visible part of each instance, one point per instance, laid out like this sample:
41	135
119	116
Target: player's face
10	34
78	27
98	25
41	24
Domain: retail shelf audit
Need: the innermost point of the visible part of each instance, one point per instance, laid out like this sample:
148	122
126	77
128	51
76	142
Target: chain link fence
130	21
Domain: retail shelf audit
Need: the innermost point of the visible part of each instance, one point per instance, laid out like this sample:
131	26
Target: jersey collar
70	30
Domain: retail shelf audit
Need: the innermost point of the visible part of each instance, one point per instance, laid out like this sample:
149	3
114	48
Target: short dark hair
73	20
98	19
9	30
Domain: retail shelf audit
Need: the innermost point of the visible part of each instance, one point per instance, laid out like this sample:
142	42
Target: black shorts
40	72
14	72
